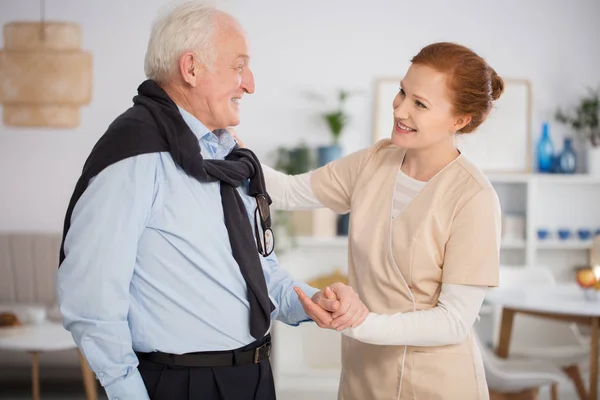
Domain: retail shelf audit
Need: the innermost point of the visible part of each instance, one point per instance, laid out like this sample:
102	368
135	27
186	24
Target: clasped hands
336	307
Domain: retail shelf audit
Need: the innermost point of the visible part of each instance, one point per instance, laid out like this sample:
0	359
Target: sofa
28	266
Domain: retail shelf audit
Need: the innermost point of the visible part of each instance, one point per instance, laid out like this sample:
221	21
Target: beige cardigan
449	233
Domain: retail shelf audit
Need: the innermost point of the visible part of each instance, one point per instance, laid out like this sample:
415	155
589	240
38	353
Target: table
48	336
563	302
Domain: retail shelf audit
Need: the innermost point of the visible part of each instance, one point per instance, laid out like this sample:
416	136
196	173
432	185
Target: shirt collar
224	142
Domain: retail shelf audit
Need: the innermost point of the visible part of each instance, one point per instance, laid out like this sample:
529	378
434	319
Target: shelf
570	244
513	244
568	179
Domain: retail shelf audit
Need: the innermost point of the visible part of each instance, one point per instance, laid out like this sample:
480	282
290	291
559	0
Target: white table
563	302
35	339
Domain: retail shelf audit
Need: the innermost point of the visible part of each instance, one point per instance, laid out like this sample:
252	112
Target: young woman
424	235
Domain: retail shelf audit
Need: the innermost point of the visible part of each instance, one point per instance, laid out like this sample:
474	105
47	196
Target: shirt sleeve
448	323
472	255
281	288
93	280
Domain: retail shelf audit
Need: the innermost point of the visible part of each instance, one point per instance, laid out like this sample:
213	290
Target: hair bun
497	86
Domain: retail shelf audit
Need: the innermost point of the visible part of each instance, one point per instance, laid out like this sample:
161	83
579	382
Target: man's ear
190	69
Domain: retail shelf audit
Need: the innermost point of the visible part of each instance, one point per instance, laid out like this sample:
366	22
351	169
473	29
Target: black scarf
154	124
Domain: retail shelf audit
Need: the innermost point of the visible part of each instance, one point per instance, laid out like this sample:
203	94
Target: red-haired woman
424	235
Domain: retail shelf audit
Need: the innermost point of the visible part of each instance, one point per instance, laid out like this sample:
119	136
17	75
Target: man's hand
316	312
336	307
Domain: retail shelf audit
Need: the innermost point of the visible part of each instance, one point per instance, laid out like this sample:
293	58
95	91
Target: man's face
220	88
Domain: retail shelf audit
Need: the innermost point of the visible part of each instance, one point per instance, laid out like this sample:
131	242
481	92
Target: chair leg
554	391
531	394
35	375
573	373
496	395
89	380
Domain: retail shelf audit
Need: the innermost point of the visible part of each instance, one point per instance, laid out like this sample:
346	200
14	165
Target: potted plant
294	161
336	121
584	119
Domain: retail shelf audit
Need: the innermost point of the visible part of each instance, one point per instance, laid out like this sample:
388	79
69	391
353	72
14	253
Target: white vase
593	161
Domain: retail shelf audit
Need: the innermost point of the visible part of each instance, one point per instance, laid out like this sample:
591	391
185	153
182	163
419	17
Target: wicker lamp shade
44	76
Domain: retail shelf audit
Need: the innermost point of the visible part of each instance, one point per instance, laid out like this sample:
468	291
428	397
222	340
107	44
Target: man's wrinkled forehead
231	42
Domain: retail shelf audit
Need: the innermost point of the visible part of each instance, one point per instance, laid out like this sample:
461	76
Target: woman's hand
337	307
234	133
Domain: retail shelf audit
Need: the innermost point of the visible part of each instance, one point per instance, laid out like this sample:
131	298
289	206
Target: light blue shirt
149	267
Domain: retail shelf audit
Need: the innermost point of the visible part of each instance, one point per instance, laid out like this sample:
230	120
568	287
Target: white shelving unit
550	201
571	244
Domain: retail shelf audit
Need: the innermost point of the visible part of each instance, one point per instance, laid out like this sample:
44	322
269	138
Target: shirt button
101	374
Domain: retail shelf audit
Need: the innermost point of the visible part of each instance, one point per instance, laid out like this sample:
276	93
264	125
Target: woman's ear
460	122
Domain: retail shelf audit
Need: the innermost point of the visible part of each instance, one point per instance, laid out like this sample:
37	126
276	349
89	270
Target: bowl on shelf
564	234
588	279
584	234
543	233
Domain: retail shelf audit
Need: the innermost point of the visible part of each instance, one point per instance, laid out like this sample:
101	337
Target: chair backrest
503	376
524	327
28	267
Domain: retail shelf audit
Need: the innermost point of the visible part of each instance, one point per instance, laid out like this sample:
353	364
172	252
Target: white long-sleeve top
449	322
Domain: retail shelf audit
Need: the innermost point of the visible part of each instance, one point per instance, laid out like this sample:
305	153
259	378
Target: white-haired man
167	278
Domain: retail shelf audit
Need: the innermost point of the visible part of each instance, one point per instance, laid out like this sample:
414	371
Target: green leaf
585	117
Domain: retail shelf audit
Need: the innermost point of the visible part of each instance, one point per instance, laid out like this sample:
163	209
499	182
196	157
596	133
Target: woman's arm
330	186
448	323
290	192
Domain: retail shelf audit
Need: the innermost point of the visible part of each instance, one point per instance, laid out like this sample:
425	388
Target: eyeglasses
265	240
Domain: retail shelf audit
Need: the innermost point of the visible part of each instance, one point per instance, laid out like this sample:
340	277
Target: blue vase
567	160
545	151
555	164
326	154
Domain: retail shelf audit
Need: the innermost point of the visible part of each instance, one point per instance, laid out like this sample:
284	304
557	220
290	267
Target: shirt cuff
130	387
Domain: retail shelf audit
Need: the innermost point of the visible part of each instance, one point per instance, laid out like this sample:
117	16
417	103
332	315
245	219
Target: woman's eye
419	104
402	92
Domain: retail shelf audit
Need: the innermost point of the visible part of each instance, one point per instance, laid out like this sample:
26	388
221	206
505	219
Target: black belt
253	353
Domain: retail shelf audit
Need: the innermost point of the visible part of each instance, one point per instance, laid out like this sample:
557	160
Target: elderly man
167	280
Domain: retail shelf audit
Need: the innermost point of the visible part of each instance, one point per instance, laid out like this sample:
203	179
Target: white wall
296	46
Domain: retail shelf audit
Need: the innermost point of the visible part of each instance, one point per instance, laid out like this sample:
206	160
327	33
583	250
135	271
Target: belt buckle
257	352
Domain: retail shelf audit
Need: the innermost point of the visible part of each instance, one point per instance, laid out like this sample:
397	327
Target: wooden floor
74	391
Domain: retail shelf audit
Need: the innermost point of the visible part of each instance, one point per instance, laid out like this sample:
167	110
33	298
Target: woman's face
423	115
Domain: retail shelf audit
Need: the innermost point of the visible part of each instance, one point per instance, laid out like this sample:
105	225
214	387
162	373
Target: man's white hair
183	27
